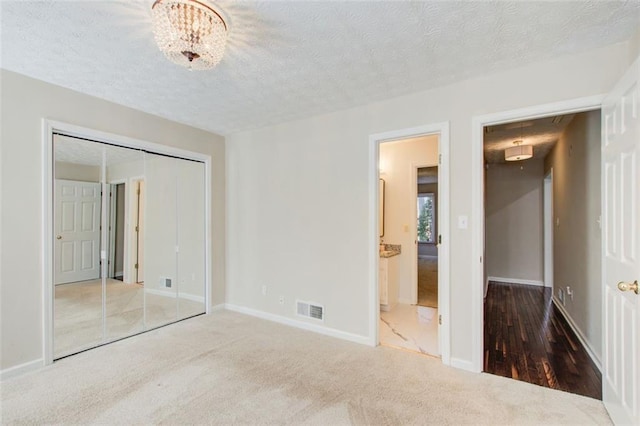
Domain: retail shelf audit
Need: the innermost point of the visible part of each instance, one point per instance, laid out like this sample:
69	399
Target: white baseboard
364	340
578	332
18	370
463	364
516	281
165	293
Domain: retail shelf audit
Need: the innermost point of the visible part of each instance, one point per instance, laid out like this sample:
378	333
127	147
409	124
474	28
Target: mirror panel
124	305
77	277
159	240
191	237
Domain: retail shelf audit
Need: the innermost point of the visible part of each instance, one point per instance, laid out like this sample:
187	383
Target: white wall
397	159
514	239
79	172
24	103
304	229
577	236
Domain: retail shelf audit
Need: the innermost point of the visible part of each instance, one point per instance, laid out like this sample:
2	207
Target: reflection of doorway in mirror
117	250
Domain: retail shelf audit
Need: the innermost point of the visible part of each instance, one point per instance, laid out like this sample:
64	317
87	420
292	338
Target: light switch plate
463	222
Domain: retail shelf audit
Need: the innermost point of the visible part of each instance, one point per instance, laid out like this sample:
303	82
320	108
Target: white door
621	248
77	231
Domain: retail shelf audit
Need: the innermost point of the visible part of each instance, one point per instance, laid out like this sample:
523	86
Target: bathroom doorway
402	322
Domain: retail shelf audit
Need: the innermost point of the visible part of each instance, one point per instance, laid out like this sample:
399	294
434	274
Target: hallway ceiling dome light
191	33
518	152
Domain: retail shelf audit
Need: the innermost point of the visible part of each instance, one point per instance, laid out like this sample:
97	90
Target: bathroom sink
389	250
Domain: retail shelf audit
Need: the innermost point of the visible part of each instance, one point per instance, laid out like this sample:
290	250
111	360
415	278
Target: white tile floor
410	327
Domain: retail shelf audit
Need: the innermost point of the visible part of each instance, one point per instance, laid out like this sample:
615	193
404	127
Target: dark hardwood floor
527	338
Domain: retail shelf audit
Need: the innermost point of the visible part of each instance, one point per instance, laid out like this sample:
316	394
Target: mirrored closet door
129	242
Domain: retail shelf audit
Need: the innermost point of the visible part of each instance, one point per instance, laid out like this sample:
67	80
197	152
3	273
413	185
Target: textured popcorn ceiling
542	133
88	153
293	59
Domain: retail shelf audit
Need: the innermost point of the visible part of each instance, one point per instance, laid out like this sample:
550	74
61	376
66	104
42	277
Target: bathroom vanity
388	276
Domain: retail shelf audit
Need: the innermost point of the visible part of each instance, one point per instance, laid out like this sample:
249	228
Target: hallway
526	338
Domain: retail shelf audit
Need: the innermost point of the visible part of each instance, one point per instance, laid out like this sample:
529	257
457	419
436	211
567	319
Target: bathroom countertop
389	250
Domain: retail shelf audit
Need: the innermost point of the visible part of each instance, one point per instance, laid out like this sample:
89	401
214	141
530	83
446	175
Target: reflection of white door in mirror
77	231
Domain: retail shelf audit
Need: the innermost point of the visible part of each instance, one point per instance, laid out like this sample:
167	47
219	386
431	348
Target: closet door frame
49	128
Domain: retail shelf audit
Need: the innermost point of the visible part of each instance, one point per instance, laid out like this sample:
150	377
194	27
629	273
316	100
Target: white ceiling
78	151
542	133
292	59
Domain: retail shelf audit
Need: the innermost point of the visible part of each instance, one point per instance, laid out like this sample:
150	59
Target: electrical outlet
264	290
281	300
570	292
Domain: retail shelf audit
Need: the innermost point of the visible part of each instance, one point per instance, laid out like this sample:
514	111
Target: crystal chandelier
189	32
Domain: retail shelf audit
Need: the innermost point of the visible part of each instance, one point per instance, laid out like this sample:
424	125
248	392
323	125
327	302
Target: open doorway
542	258
427	237
409	221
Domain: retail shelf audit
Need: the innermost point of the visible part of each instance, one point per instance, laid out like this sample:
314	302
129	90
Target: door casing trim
442	130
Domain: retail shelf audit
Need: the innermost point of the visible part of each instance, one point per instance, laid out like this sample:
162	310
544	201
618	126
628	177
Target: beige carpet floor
228	368
428	281
78	313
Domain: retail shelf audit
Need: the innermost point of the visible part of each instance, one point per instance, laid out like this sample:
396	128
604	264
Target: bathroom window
426	218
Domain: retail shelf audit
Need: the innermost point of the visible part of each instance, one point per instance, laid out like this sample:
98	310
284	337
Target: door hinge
440	159
136	266
440	319
480	259
138	192
137	229
439	239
